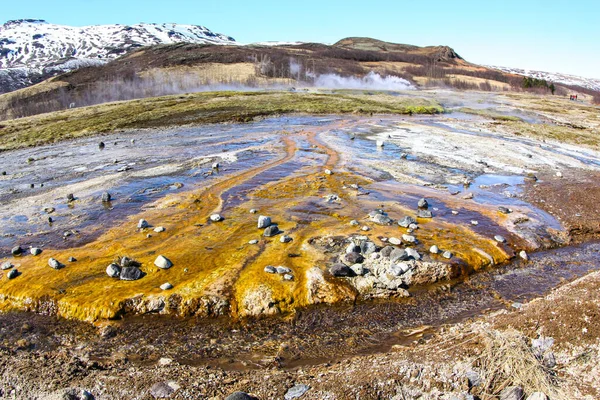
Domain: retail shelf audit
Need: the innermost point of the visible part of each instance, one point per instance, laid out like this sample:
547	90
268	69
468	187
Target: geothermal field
291	252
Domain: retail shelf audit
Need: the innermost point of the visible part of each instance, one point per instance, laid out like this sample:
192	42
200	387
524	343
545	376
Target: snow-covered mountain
565	79
36	43
32	49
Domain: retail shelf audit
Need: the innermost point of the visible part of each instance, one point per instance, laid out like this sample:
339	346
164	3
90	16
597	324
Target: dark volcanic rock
131	274
353	258
271	230
340	270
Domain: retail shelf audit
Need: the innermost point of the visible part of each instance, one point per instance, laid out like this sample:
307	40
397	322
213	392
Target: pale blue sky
552	35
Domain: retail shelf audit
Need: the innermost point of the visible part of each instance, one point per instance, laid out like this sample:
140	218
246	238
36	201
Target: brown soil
572	200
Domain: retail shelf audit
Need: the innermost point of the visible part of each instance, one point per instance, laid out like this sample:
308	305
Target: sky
552	35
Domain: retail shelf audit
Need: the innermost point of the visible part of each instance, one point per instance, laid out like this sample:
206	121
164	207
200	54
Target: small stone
17	251
395	241
500	239
409	238
269	269
504	210
101	145
166	286
424	213
131	274
406	221
163	390
148	236
163	262
367	247
72	259
358	269
380	143
216	218
12	274
353	258
512	393
285	239
296	392
283	270
215	165
473	378
559	174
404	156
341	270
253	241
264	222
106	197
70	197
159	229
253	211
354	222
352	248
423	204
240	396
143	224
434	249
288	277
49	210
113	270
447	254
386	251
468	196
328	172
474	222
381	219
52	262
36	251
454	212
6	265
365	228
399	255
537	396
523	254
413	227
271	230
413	253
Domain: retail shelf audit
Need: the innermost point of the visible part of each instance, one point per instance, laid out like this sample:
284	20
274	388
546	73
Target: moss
489	114
198	108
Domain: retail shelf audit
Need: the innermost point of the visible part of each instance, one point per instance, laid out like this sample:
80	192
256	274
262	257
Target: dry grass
508	360
198	108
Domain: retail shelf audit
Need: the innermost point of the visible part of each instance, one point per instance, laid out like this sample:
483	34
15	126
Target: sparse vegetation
489	114
508	360
199	108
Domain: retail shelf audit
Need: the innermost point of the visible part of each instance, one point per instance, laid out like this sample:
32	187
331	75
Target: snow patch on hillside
35	43
565	79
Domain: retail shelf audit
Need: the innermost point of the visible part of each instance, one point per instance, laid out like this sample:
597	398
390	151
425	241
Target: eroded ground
481	175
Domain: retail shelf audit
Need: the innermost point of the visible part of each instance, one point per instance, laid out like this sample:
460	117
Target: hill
33	49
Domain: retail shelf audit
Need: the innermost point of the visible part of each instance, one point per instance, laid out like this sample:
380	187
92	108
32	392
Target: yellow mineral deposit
216	270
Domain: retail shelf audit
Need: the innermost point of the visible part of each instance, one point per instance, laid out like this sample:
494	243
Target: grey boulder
163	262
54	263
113	270
264	222
131	274
406	221
341	270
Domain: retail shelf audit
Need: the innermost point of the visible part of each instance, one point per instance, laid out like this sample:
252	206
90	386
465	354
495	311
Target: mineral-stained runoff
312	176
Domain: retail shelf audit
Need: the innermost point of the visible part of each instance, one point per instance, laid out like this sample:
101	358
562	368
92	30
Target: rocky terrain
306	256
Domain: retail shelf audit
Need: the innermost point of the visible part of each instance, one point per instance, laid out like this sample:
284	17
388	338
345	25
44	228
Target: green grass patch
195	109
487	113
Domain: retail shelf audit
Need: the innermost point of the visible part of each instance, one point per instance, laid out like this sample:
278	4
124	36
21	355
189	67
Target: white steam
371	81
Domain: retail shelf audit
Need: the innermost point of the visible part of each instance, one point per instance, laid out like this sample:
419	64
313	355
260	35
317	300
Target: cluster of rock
127	269
378	272
287	273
